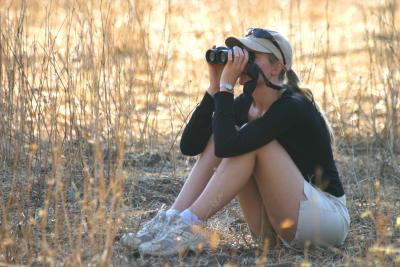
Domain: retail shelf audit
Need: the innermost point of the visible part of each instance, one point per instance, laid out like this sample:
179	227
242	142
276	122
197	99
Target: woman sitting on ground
271	147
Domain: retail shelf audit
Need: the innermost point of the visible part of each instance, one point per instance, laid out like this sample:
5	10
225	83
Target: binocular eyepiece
219	55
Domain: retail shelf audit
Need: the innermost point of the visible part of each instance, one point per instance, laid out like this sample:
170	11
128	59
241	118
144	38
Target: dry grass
94	95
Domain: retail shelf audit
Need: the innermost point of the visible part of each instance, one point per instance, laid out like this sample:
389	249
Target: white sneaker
147	233
177	238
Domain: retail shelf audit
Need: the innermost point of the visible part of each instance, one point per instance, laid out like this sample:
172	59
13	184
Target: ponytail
292	79
293	82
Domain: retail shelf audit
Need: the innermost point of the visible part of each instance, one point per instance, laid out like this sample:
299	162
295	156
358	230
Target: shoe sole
183	250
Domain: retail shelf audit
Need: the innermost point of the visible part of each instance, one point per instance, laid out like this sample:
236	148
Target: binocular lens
211	56
223	57
217	55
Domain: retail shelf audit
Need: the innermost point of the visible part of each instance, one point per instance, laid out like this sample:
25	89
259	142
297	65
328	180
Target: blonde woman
270	147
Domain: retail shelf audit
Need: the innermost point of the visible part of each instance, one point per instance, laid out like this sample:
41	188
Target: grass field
94	96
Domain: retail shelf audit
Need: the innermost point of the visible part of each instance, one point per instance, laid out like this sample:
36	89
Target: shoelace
153	221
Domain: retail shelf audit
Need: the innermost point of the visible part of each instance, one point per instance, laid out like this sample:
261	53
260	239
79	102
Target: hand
214	71
235	65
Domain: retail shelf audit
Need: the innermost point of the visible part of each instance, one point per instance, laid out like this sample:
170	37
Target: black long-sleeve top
292	120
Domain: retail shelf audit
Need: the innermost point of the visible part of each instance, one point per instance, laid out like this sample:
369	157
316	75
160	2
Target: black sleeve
198	130
240	108
229	142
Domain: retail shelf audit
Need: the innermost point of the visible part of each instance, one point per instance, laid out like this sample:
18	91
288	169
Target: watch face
230	89
227	86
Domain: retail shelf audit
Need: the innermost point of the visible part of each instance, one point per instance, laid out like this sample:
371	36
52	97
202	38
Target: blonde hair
292	81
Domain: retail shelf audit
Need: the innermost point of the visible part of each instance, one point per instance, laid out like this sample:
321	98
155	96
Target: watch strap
227	86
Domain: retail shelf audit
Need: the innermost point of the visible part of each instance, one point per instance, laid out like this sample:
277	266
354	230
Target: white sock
171	212
189	217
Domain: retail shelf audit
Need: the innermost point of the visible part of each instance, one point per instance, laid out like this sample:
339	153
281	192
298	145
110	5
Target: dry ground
370	177
114	72
373	207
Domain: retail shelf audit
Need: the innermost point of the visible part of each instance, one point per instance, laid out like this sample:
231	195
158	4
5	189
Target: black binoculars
219	55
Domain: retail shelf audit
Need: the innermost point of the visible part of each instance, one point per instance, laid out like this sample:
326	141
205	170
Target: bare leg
249	197
230	178
198	177
281	185
254	211
279	182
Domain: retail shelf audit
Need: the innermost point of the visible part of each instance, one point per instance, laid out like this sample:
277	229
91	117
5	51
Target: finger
241	55
246	58
236	54
246	55
230	57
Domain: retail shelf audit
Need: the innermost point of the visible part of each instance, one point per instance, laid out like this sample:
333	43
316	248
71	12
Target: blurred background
92	69
85	86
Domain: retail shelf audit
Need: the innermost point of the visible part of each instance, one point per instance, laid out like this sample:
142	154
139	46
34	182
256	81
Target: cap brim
248	43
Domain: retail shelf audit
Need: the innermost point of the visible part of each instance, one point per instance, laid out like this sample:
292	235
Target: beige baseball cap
265	41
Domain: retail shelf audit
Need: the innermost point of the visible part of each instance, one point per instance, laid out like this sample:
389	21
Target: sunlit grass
85	84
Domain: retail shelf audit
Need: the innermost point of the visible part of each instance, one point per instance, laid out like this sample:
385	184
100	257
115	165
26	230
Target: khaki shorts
323	219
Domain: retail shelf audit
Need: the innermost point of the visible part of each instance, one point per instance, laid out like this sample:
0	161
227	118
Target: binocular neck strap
253	71
268	82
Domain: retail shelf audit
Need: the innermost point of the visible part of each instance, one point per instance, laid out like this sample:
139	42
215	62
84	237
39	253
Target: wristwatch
227	86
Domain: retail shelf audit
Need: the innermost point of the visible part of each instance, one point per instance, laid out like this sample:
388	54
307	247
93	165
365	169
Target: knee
270	148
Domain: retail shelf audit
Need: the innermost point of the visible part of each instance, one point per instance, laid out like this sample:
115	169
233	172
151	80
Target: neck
264	96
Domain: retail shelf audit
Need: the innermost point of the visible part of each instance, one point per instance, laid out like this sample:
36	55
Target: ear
276	68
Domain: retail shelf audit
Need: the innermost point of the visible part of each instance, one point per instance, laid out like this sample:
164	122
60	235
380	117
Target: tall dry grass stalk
84	82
